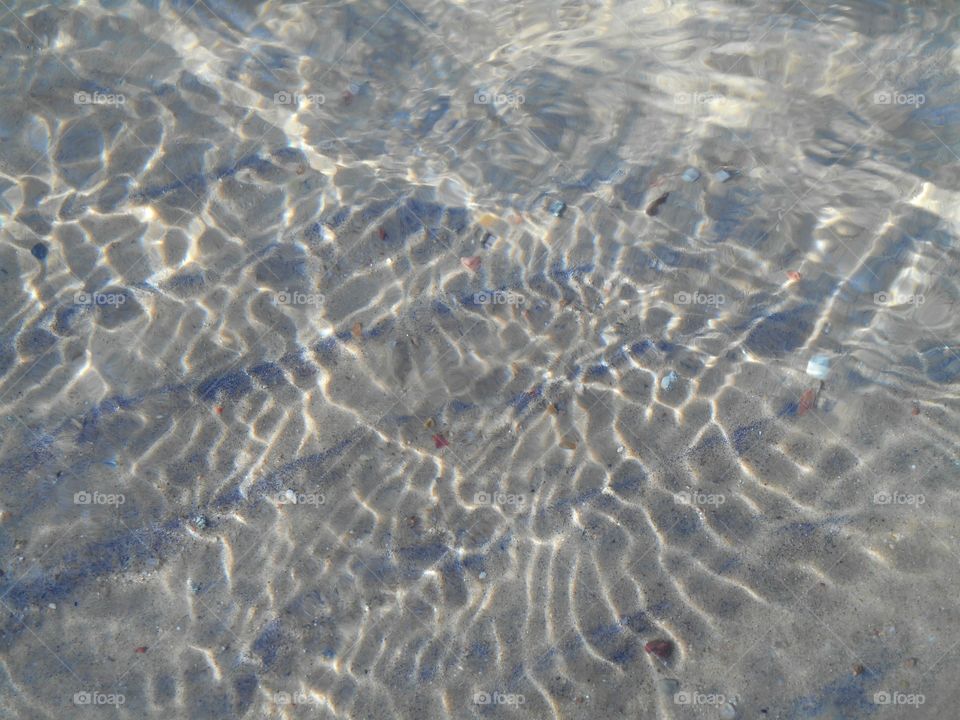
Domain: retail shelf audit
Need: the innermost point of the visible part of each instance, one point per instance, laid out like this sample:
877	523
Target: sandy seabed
440	360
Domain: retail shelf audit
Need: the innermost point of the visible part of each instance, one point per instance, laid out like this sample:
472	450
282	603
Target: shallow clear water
431	359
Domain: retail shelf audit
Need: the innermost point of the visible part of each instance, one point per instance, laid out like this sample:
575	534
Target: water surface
274	445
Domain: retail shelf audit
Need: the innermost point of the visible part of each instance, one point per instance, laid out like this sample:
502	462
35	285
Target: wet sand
346	371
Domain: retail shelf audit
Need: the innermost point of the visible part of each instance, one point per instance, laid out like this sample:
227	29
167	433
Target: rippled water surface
435	359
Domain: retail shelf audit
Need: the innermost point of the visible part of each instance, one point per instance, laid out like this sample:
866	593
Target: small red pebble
382	233
471	263
347	97
916	410
440	441
807	400
142	649
219	410
794	275
661	648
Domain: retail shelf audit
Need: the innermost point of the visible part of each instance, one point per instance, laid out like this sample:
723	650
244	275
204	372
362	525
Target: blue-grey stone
39	251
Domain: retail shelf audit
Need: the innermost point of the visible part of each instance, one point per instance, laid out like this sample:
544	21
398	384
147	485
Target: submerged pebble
691	175
661	648
728	711
807	401
654	207
557	207
40	251
722	176
668	686
471	263
488	220
668	380
819	367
